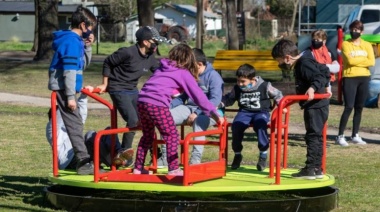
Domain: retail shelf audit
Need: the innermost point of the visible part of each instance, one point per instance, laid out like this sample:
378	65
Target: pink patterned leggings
154	116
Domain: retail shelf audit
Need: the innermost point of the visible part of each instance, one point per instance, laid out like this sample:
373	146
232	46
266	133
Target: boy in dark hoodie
65	77
253	95
121	73
311	77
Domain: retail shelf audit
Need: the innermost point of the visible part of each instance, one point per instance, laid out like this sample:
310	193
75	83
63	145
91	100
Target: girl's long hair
183	57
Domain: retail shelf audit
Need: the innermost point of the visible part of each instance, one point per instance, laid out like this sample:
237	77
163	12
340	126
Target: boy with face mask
254	100
321	53
65	77
121	72
311	77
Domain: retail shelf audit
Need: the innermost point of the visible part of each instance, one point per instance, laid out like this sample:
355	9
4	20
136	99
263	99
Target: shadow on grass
29	189
9	64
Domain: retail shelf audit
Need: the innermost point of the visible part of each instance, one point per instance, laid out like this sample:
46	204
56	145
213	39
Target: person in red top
322	54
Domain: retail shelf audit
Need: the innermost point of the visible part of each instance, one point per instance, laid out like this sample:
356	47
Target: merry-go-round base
244	189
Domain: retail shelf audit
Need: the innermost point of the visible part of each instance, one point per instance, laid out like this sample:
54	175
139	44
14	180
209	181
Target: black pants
104	147
355	91
314	119
125	103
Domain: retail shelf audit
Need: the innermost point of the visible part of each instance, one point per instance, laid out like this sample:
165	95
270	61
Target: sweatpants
125	102
314	119
74	126
242	121
152	116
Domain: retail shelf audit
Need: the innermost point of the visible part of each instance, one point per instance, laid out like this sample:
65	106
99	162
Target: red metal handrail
340	61
101	133
53	102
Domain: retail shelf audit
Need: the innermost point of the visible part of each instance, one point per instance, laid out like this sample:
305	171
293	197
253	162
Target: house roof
190	10
28	7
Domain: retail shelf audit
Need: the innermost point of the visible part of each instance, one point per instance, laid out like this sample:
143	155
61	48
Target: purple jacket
159	88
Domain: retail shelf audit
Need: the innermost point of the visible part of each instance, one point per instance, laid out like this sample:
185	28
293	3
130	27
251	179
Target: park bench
230	60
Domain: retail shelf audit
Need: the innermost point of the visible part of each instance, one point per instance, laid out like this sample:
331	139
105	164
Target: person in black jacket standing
311	78
121	72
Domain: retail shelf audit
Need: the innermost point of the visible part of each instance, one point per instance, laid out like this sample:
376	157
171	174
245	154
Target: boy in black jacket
121	73
311	77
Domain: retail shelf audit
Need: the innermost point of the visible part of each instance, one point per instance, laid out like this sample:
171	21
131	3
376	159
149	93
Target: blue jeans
373	92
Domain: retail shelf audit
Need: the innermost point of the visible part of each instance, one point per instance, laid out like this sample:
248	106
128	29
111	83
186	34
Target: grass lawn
26	155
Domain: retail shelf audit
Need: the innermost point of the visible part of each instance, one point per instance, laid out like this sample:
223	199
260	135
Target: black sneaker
319	173
261	164
305	173
236	162
85	168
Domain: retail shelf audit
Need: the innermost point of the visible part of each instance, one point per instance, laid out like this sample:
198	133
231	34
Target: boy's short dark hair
200	56
246	71
82	14
284	47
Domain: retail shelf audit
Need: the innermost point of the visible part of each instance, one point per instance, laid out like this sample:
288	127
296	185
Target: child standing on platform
254	99
179	71
311	78
66	78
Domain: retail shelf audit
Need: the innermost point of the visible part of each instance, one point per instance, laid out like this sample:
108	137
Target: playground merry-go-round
207	186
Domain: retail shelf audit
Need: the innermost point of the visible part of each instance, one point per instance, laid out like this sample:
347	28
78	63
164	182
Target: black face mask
152	48
354	35
316	44
285	67
86	34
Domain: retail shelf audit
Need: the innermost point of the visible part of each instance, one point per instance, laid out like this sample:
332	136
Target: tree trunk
47	24
295	11
145	12
35	40
233	39
200	24
240	9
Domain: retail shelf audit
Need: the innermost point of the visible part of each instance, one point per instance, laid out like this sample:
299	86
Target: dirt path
295	131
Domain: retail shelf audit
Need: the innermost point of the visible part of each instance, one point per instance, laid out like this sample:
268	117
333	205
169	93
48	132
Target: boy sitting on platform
254	100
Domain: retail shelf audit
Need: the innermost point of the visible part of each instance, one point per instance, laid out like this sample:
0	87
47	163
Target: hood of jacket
63	36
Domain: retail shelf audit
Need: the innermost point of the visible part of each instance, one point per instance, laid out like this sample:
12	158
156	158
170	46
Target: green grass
26	155
107	48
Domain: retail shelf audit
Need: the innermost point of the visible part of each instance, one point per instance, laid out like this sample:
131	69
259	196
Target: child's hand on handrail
221	120
284	110
89	88
102	88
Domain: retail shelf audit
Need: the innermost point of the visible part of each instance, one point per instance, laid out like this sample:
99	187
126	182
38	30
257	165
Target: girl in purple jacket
178	72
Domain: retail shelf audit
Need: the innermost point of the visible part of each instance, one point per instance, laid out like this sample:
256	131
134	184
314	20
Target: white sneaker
358	140
341	140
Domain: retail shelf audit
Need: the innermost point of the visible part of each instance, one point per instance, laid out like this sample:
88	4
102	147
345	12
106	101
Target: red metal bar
324	147
199	172
113	113
53	101
286	138
54	124
286	102
340	61
96	147
271	145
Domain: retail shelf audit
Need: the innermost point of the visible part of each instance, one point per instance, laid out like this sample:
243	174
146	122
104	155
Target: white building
177	14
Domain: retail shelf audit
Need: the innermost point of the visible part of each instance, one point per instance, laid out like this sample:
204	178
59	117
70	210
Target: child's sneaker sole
121	157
